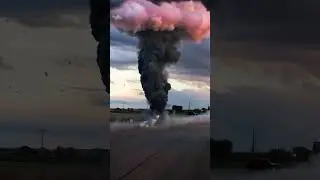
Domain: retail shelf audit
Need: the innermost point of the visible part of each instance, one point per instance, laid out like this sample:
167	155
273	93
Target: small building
177	108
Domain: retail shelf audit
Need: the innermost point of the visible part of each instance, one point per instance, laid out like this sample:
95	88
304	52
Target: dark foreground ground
61	164
38	171
308	171
158	154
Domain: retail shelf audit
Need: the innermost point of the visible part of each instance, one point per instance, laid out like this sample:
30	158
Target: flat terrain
135	116
308	171
180	152
38	171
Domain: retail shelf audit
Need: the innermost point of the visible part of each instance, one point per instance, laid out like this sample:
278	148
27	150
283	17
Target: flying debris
159	26
45	74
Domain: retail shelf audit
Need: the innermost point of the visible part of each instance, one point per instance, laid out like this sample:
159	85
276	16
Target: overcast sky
53	38
266	70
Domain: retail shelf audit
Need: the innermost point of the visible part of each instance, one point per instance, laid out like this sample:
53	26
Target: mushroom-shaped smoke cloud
159	26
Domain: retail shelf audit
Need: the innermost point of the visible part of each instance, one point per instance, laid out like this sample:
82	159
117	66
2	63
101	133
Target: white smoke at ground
173	120
122	125
176	120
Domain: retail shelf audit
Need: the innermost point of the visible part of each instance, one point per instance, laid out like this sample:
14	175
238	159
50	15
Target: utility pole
189	106
42	133
253	141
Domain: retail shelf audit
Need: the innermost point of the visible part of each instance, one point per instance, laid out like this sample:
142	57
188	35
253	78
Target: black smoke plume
157	50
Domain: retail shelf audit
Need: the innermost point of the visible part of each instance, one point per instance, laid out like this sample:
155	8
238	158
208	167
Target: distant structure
177	108
302	154
253	145
42	132
189	105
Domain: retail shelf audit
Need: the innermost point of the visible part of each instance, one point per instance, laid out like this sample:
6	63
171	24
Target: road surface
173	153
308	171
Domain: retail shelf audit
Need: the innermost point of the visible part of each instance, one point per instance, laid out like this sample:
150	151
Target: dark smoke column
99	13
158	49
